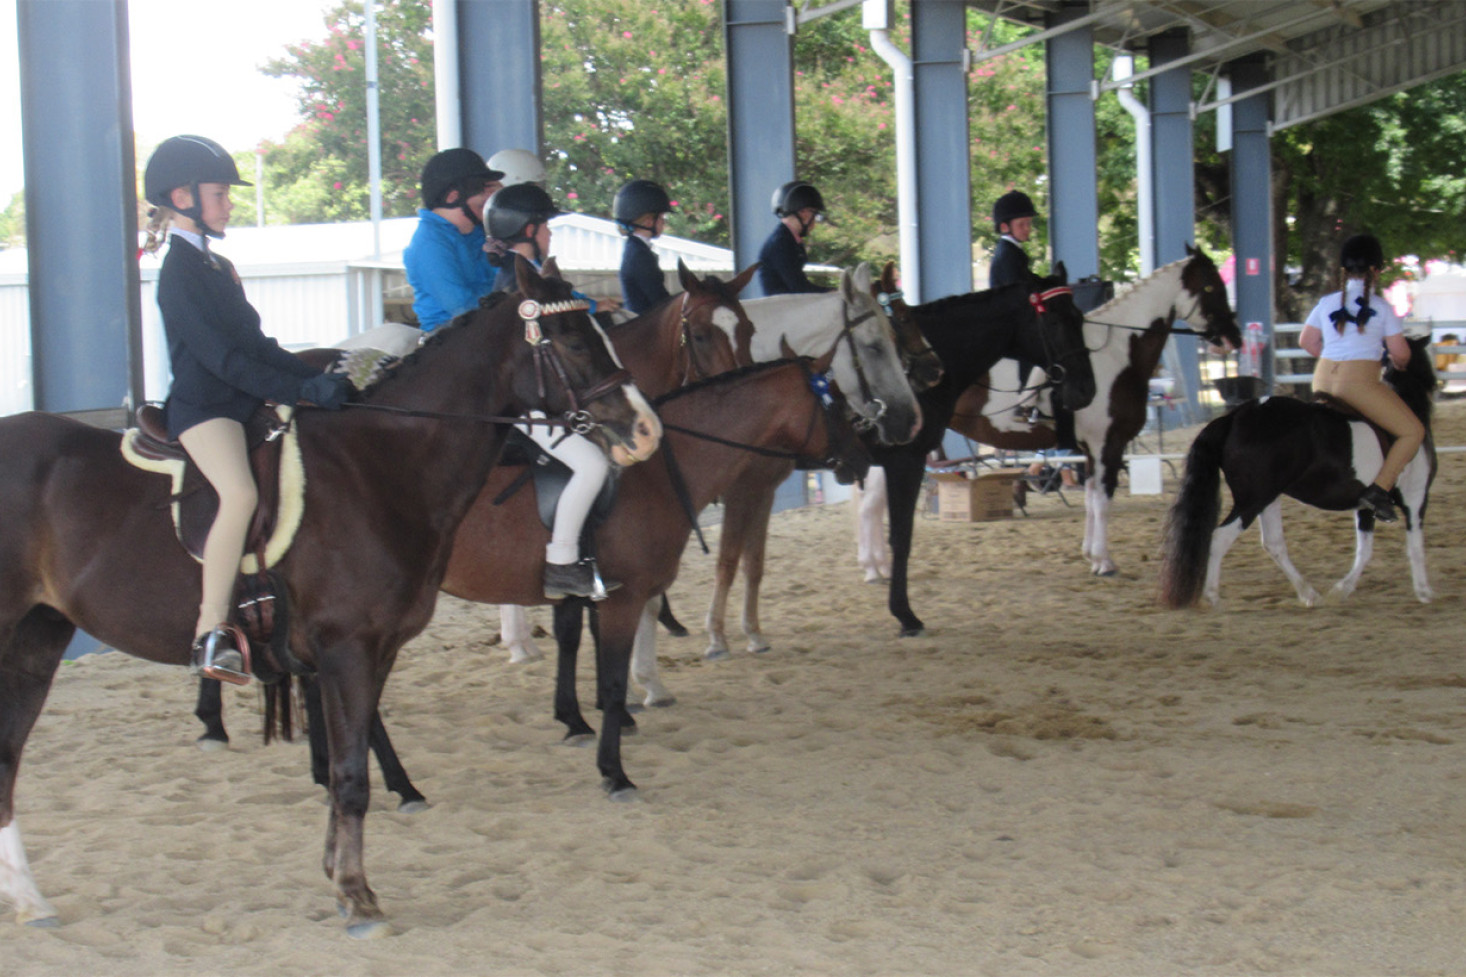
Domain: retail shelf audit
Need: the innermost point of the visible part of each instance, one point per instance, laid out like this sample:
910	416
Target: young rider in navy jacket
799	206
641	208
224	368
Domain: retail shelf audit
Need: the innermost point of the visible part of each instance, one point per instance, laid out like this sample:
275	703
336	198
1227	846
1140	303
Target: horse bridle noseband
547	360
862	422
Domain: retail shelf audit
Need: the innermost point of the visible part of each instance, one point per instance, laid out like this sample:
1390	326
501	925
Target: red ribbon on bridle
1036	299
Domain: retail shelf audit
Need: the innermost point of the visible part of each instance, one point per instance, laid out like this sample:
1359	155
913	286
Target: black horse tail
1193	518
279	716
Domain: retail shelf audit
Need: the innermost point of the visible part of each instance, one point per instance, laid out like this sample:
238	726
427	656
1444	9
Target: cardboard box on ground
988	496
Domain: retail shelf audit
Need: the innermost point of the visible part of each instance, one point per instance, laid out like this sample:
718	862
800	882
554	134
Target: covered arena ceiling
1323	56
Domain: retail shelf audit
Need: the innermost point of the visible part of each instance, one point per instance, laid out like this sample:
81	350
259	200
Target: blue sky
238	38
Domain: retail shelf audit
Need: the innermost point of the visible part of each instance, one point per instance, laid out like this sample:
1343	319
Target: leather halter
548	360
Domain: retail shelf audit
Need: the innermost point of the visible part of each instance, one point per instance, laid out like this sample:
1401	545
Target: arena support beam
943	147
85	304
759	43
1073	197
499	88
1251	176
1172	158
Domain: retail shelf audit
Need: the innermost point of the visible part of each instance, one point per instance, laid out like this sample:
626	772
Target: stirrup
222	654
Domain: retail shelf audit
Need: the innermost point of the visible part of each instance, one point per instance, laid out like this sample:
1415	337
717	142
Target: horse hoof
1105	571
626	794
678	632
915	632
210	745
412	807
762	649
661	702
579	739
717	655
43	922
371	929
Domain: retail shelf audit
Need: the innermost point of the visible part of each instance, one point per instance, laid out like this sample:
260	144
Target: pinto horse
1037	321
87	541
1125	337
698	333
1317	454
714	429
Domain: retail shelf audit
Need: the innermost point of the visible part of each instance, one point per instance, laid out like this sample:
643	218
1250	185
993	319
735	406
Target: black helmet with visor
187	161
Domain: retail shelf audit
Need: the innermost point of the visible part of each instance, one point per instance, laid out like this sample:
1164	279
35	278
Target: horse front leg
1098	500
615	633
757	538
1363	552
349	696
1270	522
740	501
30	653
569	621
210	711
903	487
644	657
1415	549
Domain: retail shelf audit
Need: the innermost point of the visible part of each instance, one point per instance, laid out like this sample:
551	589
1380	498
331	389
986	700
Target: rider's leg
217	447
589	467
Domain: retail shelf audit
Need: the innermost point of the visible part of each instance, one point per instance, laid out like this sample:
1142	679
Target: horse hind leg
1222	539
514	628
753	578
1363	551
1270	522
644	657
29	657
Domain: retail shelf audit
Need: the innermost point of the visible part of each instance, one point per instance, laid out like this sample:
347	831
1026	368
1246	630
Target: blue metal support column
1175	195
1073	197
499	75
80	207
760	55
943	169
1252	237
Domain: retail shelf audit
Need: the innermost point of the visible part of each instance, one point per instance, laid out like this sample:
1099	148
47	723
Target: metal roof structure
1323	56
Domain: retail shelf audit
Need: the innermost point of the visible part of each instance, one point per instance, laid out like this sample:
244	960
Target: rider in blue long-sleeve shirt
445	261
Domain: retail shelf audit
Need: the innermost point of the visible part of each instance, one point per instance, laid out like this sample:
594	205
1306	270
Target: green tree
319	172
12	222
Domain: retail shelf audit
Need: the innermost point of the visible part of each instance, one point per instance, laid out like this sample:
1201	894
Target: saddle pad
289	511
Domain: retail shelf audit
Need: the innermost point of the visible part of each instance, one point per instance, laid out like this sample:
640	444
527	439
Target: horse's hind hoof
211	745
717	655
915	632
371	929
579	739
412	807
44	922
678	632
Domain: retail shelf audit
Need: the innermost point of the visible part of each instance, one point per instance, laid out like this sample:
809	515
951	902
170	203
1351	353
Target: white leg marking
17	886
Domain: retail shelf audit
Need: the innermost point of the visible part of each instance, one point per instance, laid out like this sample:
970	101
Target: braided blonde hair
157	227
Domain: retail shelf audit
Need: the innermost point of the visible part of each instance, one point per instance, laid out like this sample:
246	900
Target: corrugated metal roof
1323	55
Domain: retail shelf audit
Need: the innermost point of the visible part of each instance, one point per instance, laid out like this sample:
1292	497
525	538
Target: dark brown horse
86	541
700	332
714	430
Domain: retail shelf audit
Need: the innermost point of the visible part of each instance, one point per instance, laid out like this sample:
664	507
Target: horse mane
1134	290
960	303
433	339
728	377
1417	383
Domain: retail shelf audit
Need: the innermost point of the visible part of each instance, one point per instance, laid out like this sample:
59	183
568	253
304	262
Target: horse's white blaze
727	320
17	886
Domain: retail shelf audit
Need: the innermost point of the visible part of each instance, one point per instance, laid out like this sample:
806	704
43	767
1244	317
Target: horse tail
1193	517
279	716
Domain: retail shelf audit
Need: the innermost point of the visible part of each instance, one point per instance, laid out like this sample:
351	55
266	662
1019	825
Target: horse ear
888	277
529	281
862	277
1060	272
743	279
688	279
785	350
822	365
551	269
847	287
1192	252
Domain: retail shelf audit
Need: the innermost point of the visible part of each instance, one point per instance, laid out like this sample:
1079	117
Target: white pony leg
514	627
1097	524
1271	525
1222	539
17	886
1414	486
644	657
869	506
1415	548
1363	551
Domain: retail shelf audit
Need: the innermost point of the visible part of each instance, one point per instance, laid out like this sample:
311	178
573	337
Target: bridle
547	361
1054	363
692	369
863	422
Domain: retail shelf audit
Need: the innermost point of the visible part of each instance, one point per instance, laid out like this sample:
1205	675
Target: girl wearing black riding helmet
641	209
224	368
1013	216
1347	331
799	206
517	220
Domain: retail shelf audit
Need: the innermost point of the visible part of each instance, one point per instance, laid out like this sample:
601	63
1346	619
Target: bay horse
713	430
1322	457
870	370
87	541
1036	321
1125	337
700	332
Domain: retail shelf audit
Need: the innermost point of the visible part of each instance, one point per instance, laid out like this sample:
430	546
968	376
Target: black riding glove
328	390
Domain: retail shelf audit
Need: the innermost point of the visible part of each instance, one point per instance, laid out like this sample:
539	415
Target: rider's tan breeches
1358	384
217	447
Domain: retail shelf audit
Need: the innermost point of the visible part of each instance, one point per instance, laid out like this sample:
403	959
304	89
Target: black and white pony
1318	455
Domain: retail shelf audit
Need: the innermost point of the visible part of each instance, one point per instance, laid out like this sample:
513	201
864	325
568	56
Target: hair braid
157	227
